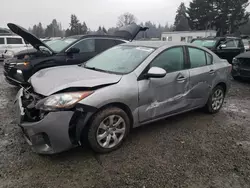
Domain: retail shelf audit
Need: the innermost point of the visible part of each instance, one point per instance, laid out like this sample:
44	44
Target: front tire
216	100
108	129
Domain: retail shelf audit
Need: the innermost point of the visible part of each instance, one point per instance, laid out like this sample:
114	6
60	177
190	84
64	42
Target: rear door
202	75
163	96
87	49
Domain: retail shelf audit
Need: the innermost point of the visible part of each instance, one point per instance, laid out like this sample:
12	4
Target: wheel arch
83	122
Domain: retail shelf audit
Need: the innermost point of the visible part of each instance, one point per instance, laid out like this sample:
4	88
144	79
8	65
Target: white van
10	42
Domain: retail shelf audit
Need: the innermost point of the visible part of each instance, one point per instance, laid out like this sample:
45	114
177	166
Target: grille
8	66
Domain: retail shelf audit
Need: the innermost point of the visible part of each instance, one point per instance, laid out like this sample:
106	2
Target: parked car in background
29	51
69	51
124	87
241	66
10	42
246	44
225	47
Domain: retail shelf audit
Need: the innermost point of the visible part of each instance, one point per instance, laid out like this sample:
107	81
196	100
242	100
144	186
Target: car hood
243	55
52	80
27	36
129	32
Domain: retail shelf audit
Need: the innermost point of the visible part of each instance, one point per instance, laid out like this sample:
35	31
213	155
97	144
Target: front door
162	96
233	47
87	49
202	73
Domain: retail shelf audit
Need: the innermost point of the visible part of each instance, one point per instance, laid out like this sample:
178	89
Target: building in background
186	36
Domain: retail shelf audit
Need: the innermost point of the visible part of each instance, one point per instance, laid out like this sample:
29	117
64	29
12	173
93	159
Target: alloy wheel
217	99
111	131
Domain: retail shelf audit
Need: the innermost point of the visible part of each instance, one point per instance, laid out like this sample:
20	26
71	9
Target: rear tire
108	129
216	100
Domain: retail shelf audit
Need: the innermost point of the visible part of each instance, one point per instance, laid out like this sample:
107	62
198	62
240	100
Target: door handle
212	71
181	78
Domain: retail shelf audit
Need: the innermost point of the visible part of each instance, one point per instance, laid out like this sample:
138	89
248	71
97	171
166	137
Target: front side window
119	59
85	45
1	40
170	60
14	41
164	38
197	57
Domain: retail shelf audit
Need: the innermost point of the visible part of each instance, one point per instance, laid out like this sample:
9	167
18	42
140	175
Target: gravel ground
191	150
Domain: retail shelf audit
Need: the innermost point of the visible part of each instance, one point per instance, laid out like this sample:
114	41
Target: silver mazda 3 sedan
124	87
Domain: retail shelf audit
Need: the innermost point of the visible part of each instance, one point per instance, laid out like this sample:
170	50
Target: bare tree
126	19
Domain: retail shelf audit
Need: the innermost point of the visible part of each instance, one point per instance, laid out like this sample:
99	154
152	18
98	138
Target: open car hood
52	80
129	32
27	36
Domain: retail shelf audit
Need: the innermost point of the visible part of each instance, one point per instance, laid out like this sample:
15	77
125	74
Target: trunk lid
129	32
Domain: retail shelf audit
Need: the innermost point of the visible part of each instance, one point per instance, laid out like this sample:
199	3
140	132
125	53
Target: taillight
230	68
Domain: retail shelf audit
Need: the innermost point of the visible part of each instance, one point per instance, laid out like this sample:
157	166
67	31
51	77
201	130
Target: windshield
119	59
204	43
59	45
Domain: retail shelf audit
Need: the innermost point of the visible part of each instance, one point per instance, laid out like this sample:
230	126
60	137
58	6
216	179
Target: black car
241	66
225	47
68	51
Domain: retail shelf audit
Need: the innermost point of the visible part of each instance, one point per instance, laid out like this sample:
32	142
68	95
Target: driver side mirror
73	51
223	46
155	72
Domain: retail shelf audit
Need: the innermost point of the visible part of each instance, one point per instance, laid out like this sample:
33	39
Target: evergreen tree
226	16
181	21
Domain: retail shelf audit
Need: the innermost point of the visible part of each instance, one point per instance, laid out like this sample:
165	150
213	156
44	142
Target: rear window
1	40
204	43
14	41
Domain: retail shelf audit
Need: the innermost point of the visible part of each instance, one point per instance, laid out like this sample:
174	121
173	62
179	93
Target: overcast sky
94	12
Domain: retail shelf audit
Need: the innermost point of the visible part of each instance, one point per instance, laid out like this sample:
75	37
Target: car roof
217	38
157	44
95	36
10	36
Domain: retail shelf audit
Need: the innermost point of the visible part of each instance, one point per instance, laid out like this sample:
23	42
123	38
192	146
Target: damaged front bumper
49	135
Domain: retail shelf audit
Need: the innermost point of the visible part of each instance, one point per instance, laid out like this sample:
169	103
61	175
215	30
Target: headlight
235	61
23	63
62	101
9	53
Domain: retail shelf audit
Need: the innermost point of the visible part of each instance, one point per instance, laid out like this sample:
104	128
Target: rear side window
1	40
197	57
209	59
104	44
87	45
14	41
